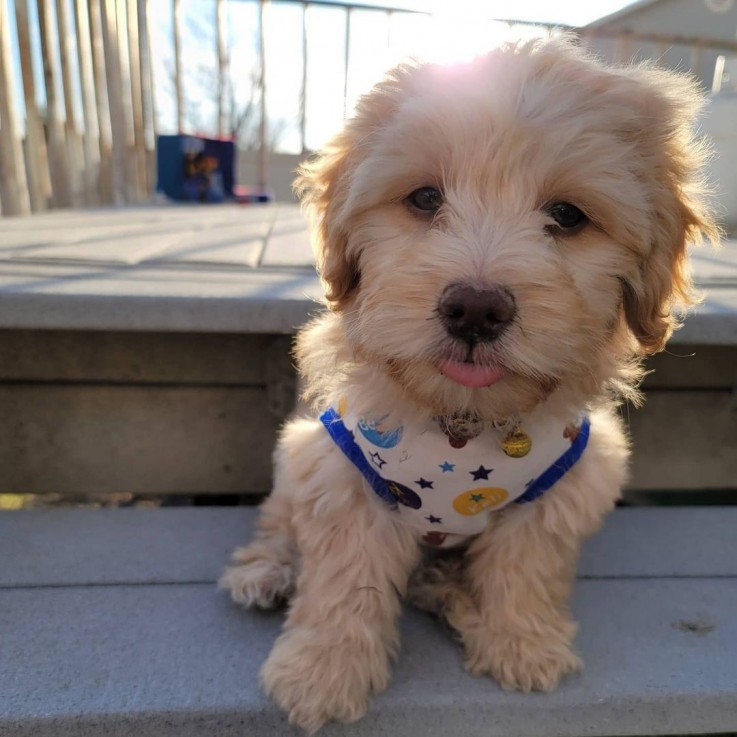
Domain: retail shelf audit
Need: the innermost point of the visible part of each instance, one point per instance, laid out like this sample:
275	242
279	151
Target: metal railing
101	150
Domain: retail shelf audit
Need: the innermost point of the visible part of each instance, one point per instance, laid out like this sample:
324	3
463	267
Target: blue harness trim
559	469
344	439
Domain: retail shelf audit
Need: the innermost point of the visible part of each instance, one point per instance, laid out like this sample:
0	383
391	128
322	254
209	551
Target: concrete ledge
62	297
266	300
110	624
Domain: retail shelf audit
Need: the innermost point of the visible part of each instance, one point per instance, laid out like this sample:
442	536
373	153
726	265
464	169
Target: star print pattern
481	473
433	520
377	460
447	467
477	497
423	483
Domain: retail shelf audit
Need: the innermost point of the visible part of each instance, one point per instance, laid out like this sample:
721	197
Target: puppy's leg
519	631
262	574
341	633
520	572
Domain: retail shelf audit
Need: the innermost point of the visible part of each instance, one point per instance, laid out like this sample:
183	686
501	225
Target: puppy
500	242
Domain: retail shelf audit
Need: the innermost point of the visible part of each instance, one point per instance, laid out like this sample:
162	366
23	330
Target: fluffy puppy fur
502	139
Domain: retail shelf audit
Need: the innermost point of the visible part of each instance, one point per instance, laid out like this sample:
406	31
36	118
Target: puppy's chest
444	480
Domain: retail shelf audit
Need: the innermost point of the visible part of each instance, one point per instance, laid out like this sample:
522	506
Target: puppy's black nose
476	316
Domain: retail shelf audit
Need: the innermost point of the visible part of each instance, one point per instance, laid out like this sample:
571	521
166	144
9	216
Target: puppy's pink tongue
472	375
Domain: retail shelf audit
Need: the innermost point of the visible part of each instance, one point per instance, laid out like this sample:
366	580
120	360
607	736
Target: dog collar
444	486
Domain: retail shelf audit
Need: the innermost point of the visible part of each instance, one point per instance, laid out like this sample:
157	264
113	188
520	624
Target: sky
568	12
453	30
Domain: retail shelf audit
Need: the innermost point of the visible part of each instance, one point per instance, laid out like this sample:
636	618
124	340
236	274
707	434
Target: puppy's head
493	231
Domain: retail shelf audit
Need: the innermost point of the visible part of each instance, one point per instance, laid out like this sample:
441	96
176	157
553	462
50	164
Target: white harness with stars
443	490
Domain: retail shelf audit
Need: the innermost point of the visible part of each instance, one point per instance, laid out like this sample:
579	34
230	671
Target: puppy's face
495	231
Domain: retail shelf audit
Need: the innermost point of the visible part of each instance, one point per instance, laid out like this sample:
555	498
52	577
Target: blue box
195	169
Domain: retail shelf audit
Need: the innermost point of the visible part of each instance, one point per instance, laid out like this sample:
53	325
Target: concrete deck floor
223	268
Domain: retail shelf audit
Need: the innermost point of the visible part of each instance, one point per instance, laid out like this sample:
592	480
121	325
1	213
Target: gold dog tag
517	444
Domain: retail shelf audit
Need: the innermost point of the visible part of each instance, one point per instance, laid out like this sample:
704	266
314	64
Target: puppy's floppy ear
663	132
323	185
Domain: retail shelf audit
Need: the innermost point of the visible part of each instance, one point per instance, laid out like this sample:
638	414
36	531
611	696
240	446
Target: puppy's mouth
472	375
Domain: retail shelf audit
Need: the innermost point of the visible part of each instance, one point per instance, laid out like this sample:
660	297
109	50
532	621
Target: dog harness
443	483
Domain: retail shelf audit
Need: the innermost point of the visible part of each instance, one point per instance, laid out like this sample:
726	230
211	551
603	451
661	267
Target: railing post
140	182
115	99
123	68
222	66
61	195
389	18
697	53
346	62
75	151
716	83
303	90
105	140
89	112
148	100
13	187
623	48
37	169
263	154
177	30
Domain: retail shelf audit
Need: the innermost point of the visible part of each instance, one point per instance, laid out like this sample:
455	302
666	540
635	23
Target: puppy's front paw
255	580
317	679
530	663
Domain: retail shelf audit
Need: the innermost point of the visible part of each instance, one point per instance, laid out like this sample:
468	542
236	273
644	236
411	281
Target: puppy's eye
426	199
567	216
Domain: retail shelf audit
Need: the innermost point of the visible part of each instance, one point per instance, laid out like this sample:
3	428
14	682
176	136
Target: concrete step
110	624
88	412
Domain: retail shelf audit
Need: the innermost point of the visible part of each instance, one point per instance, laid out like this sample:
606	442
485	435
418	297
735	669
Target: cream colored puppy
500	241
